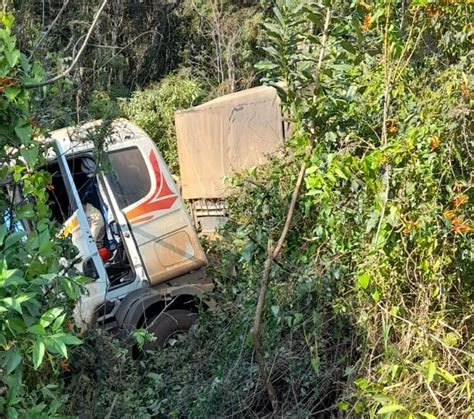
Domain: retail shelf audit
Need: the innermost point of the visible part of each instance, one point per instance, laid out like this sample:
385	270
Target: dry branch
274	251
76	59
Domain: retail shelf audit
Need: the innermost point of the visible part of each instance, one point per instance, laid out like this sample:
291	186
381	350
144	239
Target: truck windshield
129	177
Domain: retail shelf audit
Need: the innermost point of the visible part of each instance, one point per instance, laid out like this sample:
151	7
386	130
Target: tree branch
75	61
274	251
45	34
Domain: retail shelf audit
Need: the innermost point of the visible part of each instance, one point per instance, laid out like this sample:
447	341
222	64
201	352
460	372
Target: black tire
167	324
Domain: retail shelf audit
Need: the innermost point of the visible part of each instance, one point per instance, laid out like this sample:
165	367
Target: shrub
153	110
36	293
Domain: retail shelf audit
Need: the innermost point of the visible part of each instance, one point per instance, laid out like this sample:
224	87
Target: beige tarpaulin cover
227	134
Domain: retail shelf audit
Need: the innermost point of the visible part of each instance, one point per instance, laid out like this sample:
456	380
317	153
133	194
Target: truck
155	274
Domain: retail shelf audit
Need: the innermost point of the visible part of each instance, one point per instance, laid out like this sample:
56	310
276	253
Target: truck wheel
169	326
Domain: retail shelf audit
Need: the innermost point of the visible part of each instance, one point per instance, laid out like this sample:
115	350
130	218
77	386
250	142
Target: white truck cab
156	271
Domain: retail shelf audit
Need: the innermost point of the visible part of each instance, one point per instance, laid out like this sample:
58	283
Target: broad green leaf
12	57
55	345
37	329
382	398
450	339
348	46
7	20
25	212
11	360
58	323
13	239
70	339
38	353
68	288
23	131
265	65
14	280
390	408
3	233
45	245
376	295
30	155
51	315
12	92
25	64
12	303
427	415
363	280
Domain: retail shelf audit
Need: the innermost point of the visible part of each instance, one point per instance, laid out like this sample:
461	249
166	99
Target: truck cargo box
228	134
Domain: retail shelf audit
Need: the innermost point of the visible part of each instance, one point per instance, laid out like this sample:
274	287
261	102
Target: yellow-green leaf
363	280
390	408
446	375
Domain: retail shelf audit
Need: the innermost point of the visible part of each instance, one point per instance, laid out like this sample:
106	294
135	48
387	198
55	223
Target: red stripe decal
162	198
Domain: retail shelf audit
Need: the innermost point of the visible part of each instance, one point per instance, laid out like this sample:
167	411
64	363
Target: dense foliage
369	310
36	291
153	110
135	44
383	241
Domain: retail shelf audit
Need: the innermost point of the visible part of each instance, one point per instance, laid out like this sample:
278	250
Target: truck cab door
84	241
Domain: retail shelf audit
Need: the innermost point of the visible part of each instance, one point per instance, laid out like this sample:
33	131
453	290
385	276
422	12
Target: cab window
128	177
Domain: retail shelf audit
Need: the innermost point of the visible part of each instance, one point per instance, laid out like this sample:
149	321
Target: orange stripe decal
162	198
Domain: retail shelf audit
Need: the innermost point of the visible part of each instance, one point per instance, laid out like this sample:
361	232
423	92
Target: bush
153	110
36	292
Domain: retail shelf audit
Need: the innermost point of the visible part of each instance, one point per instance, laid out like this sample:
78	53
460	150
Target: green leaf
390	408
38	353
266	65
30	155
348	46
58	323
45	244
7	20
446	375
12	92
344	406
3	233
427	415
56	345
11	360
51	315
450	339
13	238
431	371
70	339
37	329
12	57
363	280
14	280
68	288
24	131
25	212
376	295
12	303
